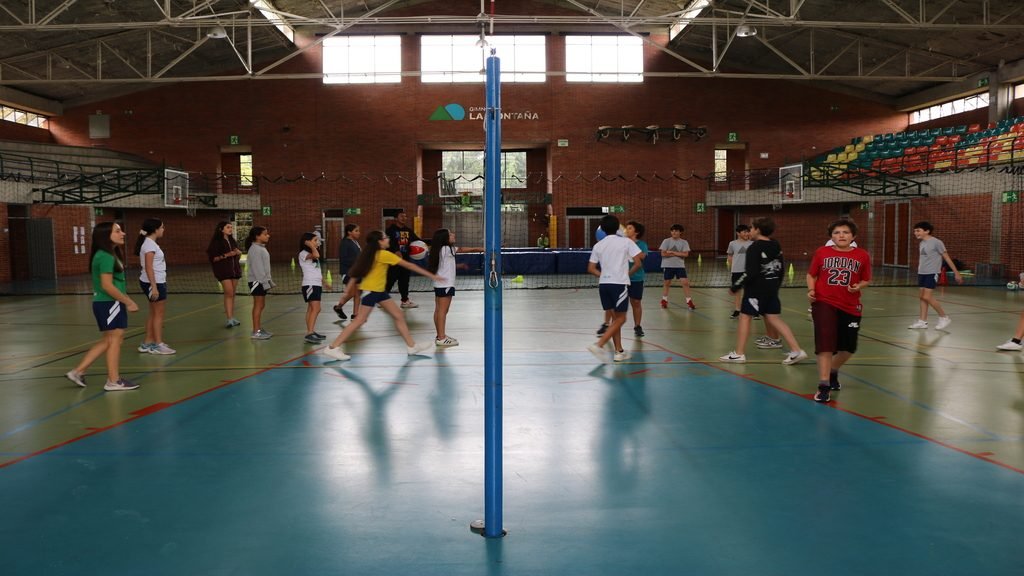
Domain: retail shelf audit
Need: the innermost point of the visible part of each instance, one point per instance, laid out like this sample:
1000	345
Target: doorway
896	234
42	261
726	230
581	231
333	233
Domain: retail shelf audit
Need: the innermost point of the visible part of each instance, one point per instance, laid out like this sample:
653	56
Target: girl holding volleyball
372	266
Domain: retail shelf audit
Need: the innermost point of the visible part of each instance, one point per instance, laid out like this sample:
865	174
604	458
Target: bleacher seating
951	147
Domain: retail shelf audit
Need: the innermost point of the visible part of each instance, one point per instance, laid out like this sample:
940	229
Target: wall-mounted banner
457	112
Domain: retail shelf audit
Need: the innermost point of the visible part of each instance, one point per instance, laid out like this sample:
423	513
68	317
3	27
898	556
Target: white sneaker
734	357
919	325
261	335
161	349
795	356
1009	345
76	378
419	348
144	347
335	354
768	343
121	384
600	353
621	356
409	304
446	342
943	323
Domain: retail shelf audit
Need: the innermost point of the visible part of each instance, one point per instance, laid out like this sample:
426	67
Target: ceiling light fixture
746	31
217	32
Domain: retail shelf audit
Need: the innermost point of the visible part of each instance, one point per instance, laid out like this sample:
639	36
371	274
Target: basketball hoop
191	204
175	188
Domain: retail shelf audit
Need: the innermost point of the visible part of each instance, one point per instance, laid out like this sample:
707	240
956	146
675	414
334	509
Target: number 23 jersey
836	271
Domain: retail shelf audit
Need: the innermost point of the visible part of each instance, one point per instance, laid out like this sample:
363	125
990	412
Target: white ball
1011	286
418	250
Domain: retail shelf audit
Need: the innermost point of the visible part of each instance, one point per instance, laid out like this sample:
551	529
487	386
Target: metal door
42	261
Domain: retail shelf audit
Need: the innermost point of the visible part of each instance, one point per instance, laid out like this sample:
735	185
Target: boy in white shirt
618	258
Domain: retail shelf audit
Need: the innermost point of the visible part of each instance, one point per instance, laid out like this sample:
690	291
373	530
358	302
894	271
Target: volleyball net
550	222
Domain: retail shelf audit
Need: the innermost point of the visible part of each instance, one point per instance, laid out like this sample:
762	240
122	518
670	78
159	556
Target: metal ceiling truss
848	54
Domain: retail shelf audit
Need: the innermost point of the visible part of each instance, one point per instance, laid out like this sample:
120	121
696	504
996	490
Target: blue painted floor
668	464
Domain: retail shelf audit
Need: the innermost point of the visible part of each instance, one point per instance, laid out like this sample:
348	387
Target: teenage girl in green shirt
110	306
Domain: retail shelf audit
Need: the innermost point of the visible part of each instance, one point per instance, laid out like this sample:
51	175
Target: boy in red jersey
834	282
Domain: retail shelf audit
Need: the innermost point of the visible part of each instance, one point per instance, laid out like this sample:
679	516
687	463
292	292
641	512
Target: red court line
146	411
984	456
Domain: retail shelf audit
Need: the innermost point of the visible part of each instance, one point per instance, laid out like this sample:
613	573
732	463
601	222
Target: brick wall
302	127
963	223
22	133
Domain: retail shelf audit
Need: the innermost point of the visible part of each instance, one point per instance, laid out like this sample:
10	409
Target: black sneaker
735	314
602	329
638	332
823	394
835	385
340	312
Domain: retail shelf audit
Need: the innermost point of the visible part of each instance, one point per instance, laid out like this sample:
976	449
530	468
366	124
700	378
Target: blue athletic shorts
312	293
256	289
614	297
110	315
673	273
444	292
755	306
636	290
373	298
927	280
161	290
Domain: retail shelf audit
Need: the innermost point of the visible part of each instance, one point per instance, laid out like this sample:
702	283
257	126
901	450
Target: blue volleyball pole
492	303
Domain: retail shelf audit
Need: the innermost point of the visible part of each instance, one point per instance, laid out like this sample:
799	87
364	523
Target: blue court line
37	421
946	444
42	419
924	407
